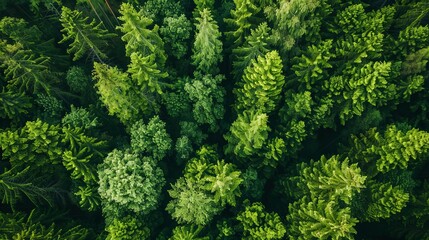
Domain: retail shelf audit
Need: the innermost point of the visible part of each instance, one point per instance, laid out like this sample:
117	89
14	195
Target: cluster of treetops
204	119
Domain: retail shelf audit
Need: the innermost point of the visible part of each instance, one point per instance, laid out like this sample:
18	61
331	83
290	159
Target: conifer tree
138	37
86	37
262	84
243	19
24	70
207	96
122	98
259	224
321	219
330	179
207	48
256	44
393	149
12	105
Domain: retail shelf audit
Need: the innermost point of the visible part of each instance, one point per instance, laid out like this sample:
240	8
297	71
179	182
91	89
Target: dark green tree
86	37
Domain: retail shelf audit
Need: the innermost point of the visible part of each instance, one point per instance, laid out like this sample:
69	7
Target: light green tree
262	84
259	224
207	48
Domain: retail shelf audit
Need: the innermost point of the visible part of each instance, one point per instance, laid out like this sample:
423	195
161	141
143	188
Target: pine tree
85	37
207	96
207	48
262	84
259	224
127	228
12	105
122	98
243	17
310	219
145	73
393	149
187	232
330	179
138	37
24	70
386	200
255	45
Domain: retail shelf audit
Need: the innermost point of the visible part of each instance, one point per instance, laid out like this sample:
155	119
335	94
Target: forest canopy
204	119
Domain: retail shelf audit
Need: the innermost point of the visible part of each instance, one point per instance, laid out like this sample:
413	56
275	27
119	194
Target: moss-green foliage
256	44
77	80
21	226
207	96
12	105
187	232
137	36
243	19
127	228
85	37
176	31
207	48
320	219
201	119
130	181
80	118
248	134
151	138
331	179
207	186
259	224
24	70
262	84
122	98
394	148
386	200
37	144
190	204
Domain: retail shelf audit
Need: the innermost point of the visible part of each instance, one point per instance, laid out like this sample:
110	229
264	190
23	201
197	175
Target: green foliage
18	186
258	224
243	17
161	9
176	31
145	73
207	96
128	228
311	66
207	48
224	183
17	29
248	134
85	37
386	200
309	219
190	204
12	105
37	144
208	183
119	94
88	197
52	107
256	44
131	181
21	226
392	149
77	80
183	147
294	19
331	179
187	232
151	138
137	36
24	70
80	118
262	84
